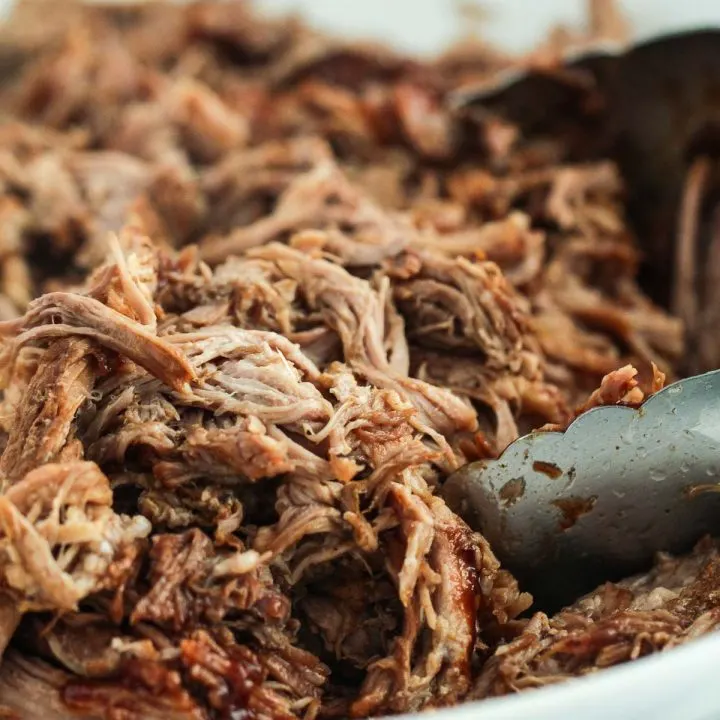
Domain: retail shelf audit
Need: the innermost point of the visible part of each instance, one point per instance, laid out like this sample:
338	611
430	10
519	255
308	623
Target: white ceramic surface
683	684
429	25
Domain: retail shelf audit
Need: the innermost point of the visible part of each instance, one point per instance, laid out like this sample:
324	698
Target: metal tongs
567	511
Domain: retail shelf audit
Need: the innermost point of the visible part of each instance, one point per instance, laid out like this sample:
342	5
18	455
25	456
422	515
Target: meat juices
261	292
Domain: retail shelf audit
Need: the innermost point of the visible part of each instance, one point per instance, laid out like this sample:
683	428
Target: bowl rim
672	681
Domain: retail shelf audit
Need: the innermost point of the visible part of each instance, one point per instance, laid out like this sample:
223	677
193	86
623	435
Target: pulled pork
260	292
672	604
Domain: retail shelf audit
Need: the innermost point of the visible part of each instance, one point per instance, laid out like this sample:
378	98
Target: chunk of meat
620	387
670	605
359	314
459	304
190	583
322	199
59	314
31	688
60	535
45	411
